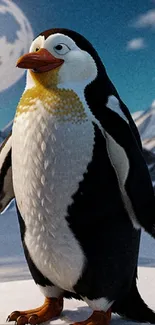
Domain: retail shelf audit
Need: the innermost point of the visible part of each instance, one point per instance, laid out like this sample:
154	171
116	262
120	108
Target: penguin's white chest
49	159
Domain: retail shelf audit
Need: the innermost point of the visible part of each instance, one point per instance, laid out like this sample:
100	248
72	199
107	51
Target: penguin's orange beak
40	61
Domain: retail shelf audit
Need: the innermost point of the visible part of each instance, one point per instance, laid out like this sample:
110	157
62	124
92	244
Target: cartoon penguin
81	184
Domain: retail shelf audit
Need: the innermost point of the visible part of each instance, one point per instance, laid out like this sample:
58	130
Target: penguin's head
60	57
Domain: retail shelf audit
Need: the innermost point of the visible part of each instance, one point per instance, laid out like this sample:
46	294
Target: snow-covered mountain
145	122
146	126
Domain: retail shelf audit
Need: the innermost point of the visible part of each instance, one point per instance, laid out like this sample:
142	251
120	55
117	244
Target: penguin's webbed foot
97	318
51	308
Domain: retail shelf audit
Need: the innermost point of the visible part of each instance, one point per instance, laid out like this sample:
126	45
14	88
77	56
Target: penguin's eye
37	49
61	49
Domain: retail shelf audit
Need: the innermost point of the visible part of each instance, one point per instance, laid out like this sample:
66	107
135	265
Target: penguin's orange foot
51	308
97	318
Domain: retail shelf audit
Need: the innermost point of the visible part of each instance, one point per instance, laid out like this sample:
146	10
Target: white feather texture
49	159
99	304
51	291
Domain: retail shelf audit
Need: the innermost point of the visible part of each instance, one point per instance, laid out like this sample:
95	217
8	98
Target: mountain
146	126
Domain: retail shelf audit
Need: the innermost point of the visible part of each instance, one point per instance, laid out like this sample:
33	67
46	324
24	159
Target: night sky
123	33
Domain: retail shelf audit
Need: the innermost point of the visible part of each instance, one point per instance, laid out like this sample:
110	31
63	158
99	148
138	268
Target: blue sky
123	32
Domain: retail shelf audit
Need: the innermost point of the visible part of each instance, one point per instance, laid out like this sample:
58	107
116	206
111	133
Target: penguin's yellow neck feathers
62	103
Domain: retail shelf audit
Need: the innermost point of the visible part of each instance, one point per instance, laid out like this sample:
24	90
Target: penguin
74	165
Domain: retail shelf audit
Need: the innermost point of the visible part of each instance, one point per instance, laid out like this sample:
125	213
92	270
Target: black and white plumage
81	184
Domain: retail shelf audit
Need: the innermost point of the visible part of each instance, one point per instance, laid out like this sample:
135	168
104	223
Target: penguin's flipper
134	308
138	185
116	121
6	184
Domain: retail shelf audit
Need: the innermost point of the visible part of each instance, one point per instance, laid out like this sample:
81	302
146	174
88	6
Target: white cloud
146	20
136	44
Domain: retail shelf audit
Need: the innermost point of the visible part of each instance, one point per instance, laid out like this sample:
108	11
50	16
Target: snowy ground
18	291
24	294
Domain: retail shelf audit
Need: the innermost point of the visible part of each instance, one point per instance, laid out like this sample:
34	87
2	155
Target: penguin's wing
6	184
138	183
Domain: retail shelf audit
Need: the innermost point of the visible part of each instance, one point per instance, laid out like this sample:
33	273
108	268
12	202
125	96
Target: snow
25	294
